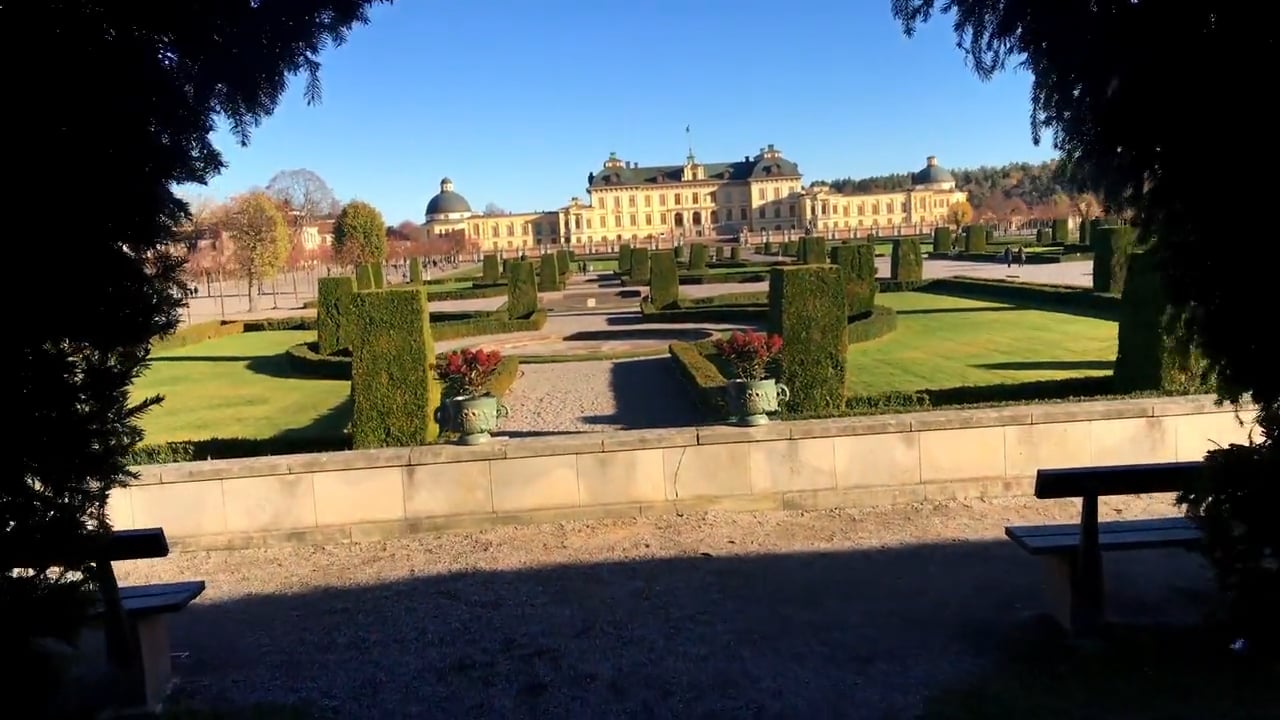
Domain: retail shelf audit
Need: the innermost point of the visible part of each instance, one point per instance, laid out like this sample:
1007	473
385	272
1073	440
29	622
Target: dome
932	174
447	201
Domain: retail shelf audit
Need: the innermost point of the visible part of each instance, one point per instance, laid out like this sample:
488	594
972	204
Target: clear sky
517	101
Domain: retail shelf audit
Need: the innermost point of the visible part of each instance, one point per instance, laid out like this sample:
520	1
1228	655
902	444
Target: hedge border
1053	298
197	333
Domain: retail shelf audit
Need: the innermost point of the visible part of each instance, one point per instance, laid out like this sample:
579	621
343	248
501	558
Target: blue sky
518	101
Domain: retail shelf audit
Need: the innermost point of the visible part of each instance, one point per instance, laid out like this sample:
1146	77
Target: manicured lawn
446	287
237	387
944	342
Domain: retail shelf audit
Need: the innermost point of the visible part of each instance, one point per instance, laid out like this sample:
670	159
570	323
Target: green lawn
237	387
944	342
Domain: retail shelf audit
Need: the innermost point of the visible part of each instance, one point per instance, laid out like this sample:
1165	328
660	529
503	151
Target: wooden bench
1073	552
134	620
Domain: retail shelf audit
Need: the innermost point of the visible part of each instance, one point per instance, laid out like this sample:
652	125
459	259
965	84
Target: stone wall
810	464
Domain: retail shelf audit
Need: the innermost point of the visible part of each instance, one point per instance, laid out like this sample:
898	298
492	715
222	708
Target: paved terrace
847	613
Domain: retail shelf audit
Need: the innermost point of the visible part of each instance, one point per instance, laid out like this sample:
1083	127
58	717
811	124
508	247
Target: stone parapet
806	464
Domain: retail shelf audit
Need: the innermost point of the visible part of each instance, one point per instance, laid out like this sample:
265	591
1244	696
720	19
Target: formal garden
845	343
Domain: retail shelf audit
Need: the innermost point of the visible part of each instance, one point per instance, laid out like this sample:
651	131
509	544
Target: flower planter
473	418
750	401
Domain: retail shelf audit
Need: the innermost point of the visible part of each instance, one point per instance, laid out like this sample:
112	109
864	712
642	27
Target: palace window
632	218
577	222
662	218
617	221
777	211
648	201
648	219
777	193
711	198
760	194
762	213
511	229
617	202
662	200
676	197
791	210
524	228
631	201
742	214
493	229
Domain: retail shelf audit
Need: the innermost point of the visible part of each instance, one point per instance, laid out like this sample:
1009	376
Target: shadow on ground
640	401
658	334
850	634
1049	365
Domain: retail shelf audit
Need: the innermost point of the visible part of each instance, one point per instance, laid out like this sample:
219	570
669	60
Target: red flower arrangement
749	352
467	372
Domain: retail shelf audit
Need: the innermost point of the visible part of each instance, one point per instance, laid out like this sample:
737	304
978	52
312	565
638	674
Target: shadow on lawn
859	634
958	310
1048	365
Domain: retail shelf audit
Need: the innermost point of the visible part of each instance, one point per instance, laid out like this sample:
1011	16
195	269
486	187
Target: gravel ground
846	613
597	395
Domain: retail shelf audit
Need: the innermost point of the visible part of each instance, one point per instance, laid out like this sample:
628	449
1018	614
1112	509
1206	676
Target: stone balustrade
808	464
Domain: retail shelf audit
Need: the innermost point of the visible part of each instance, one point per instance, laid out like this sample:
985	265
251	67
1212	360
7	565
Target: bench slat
143	600
1113	536
1054	483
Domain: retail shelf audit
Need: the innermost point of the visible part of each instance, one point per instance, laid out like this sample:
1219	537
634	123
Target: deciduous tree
959	214
260	240
360	234
306	195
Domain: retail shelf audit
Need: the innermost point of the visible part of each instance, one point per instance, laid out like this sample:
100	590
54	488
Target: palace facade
758	194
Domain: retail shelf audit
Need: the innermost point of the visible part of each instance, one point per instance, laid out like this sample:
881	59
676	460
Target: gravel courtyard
848	613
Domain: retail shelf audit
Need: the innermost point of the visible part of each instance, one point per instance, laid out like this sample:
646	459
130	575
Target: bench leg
157	662
1075	592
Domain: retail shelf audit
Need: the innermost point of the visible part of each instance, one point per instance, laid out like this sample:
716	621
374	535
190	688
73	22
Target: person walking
1008	256
1022	257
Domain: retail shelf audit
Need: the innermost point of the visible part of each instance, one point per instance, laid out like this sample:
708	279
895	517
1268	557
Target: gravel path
849	613
597	395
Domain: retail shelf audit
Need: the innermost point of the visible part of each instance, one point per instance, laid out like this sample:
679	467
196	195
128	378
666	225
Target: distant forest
1016	189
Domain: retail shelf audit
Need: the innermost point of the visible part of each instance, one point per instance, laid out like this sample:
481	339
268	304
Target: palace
764	193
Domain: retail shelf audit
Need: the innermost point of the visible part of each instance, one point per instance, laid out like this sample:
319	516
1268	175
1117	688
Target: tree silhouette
157	83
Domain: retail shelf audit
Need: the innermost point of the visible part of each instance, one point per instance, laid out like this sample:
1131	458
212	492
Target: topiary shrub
548	274
506	267
664	280
942	239
364	277
1044	236
640	266
858	265
813	251
1086	229
522	290
564	263
907	262
395	394
806	307
769	249
790	248
975	239
415	271
490	269
735	253
624	259
1152	351
1111	248
697	257
1059	233
379	277
333	313
719	253
678	251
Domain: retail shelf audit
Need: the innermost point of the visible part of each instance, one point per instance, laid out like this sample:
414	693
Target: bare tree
305	194
494	209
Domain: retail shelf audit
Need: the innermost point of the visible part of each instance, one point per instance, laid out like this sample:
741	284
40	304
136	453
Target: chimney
771	147
746	158
931	161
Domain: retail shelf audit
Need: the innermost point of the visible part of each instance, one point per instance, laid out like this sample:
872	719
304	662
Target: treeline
1020	188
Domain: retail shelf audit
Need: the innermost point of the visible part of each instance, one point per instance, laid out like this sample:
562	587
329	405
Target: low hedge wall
303	361
1036	258
297	356
1055	298
472	293
213	329
697	365
495	323
877	323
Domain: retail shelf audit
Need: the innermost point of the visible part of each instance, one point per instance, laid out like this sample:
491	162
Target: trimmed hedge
719	252
490	269
678	251
806	307
705	380
506	267
1044	236
471	293
664	280
379	277
522	292
395	393
858	264
1111	249
813	251
942	239
495	323
333	313
1147	356
624	259
1059	232
640	266
548	274
364	277
1086	230
189	335
415	271
735	253
975	239
303	361
1055	298
564	263
907	262
872	324
697	257
790	248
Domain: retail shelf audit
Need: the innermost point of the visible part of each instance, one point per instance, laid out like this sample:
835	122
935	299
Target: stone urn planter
751	401
473	418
